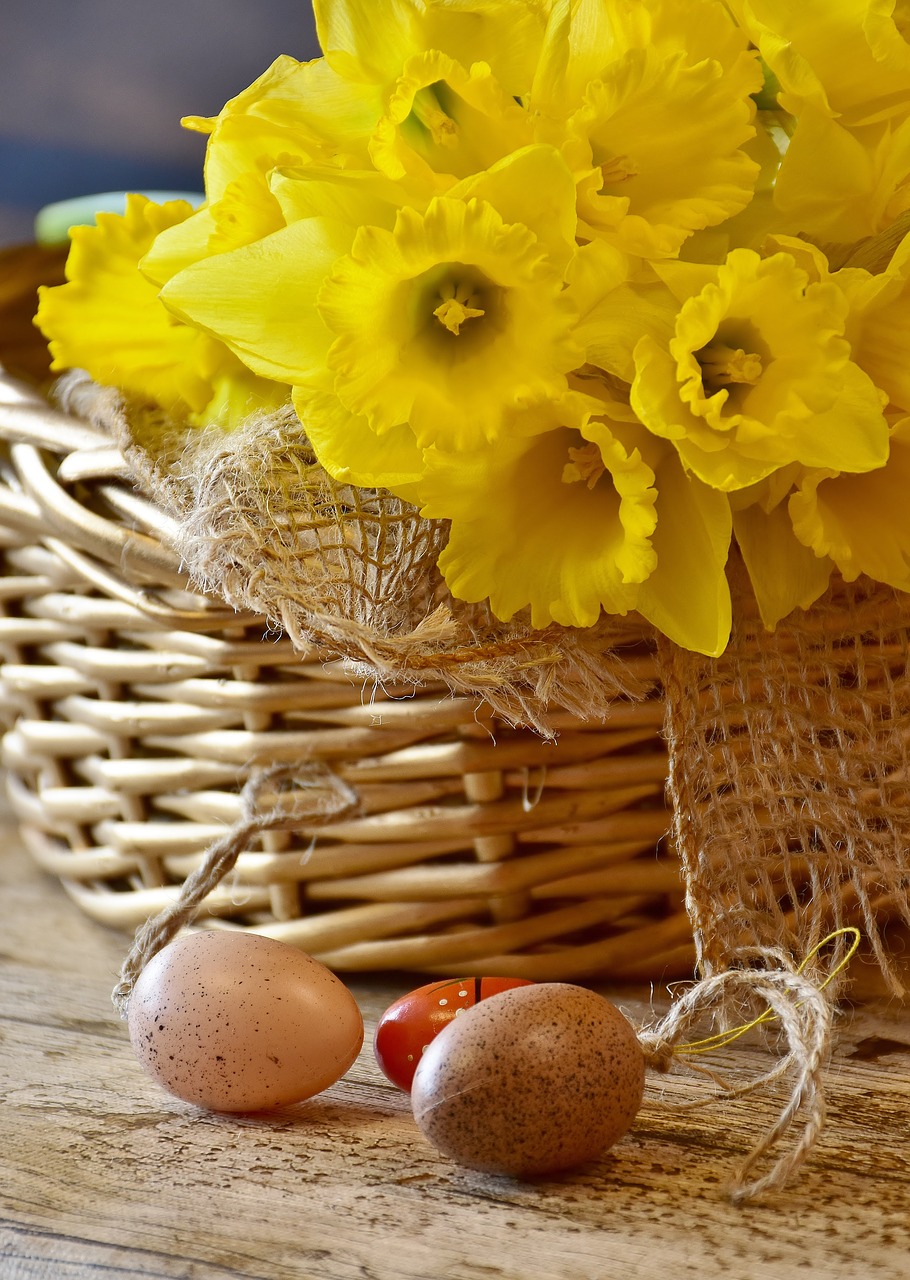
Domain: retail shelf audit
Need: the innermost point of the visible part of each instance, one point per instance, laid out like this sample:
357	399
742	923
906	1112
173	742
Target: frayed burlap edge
351	571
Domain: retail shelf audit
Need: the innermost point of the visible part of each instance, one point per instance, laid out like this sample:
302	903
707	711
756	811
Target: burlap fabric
789	773
260	524
789	782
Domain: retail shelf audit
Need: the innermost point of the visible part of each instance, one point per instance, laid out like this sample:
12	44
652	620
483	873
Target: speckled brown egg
531	1081
238	1022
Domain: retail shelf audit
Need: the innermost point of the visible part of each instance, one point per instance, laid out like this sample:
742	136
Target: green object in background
54	221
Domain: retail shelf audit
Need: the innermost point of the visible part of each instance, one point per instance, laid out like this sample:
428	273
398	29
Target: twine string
320	797
805	1013
723	1038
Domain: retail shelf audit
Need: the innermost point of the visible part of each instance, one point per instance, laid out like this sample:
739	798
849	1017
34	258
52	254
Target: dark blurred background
92	91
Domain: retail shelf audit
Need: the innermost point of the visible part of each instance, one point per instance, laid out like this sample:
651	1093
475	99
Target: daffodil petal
108	319
827	181
246	212
355	197
825	440
366	40
350	451
880	324
860	521
614	312
295	111
178	246
785	574
260	299
524	538
687	596
238	396
534	187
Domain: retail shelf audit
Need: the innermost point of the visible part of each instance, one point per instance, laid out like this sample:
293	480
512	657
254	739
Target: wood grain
102	1175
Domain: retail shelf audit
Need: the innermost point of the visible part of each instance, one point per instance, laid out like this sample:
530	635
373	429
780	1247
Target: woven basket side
137	709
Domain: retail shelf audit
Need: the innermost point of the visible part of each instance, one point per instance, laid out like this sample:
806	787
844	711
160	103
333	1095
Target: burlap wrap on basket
788	756
260	524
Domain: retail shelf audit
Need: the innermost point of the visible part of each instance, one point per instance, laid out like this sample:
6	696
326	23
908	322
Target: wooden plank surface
102	1175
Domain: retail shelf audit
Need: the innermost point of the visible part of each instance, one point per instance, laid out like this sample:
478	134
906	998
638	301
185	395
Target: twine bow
805	1013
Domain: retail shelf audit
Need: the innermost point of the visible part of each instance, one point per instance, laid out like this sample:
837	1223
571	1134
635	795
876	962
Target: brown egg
531	1081
238	1022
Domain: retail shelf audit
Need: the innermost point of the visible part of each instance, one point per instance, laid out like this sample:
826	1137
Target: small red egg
410	1025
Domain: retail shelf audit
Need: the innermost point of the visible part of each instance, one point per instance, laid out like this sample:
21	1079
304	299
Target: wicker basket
136	710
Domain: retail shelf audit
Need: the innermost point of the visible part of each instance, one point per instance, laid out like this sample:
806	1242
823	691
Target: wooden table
103	1175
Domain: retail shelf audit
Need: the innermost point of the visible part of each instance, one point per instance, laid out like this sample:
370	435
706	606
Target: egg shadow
315	1114
595	1175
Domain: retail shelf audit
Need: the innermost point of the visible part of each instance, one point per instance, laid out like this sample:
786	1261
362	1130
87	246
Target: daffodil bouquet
600	287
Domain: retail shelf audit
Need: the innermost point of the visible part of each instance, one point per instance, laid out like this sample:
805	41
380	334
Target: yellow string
722	1038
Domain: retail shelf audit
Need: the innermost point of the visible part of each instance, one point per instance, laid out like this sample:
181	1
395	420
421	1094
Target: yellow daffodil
437	320
369	41
585	36
665	140
533	185
610	530
108	320
445	320
757	374
583	505
844	72
294	112
845	58
444	123
651	102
